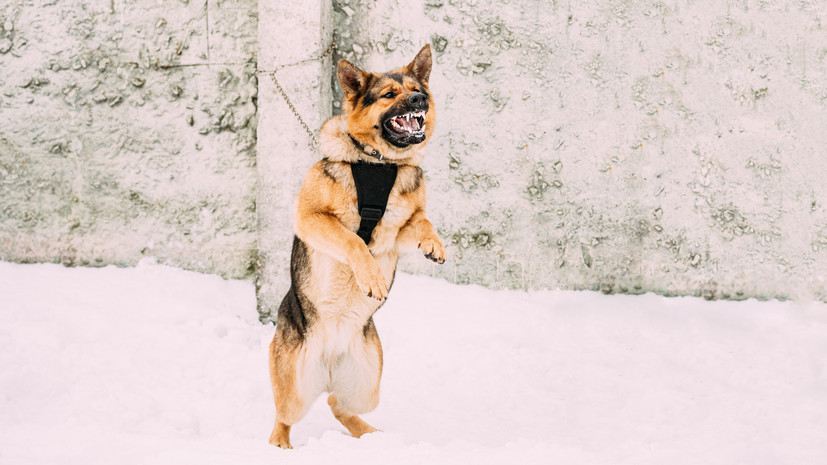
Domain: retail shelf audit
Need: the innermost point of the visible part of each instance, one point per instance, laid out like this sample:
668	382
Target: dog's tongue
409	125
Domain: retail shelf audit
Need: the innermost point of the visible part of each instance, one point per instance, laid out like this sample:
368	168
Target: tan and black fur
325	338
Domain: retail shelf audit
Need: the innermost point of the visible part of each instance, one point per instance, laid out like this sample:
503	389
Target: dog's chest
340	324
401	202
397	214
342	310
337	332
399	209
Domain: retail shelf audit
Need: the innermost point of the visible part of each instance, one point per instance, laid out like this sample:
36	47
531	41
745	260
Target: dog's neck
336	144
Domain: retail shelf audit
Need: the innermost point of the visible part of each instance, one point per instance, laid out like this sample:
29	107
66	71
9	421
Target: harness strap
374	182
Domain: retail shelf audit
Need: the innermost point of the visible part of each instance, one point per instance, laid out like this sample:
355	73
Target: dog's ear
352	79
421	64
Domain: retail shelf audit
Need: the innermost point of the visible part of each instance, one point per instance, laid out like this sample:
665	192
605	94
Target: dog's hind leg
354	387
294	388
285	392
355	425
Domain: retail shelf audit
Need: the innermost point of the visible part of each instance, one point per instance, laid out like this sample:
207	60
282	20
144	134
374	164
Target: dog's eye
389	95
417	90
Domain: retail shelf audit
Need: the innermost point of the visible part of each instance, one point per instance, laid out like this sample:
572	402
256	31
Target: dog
341	269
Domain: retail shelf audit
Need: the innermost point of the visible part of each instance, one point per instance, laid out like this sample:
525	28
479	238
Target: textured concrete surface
622	146
127	129
292	35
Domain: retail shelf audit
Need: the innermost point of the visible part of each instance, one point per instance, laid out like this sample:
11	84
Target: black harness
374	182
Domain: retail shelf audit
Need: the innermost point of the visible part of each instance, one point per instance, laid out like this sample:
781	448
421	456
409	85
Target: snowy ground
154	365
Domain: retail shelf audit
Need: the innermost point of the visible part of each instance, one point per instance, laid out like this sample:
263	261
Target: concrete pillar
289	32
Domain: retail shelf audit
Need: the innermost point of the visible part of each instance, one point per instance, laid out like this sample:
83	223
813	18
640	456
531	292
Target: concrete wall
292	35
127	129
623	146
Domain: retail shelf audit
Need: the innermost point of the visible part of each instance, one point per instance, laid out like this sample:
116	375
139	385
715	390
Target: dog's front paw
370	280
433	249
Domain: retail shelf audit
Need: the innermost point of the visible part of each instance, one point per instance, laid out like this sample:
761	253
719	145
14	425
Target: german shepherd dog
325	338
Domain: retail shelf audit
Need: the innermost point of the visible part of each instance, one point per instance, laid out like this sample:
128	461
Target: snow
154	365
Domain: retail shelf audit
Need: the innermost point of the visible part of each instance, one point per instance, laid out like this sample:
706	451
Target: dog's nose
418	100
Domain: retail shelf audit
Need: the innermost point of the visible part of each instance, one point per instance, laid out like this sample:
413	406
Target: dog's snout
418	100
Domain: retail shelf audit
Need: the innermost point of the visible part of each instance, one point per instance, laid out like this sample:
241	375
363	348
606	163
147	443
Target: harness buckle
370	213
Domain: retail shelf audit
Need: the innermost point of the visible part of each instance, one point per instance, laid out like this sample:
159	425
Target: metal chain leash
313	139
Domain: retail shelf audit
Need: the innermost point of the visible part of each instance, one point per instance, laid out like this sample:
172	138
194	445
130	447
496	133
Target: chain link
314	142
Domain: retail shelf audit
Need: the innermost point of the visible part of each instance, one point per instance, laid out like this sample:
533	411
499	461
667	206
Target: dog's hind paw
280	437
282	445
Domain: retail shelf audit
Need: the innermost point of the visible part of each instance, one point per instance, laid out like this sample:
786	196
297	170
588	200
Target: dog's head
392	111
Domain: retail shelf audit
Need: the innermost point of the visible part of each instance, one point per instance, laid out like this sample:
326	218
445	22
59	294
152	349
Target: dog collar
366	148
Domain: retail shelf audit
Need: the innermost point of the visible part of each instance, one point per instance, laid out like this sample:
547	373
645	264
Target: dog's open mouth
405	129
407	123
